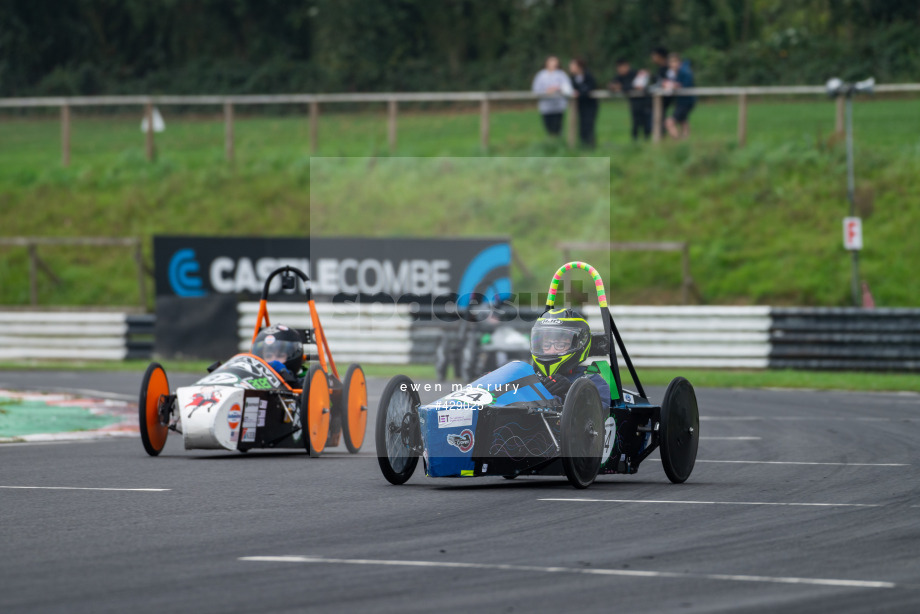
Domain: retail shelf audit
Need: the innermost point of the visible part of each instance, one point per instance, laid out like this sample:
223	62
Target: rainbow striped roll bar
598	282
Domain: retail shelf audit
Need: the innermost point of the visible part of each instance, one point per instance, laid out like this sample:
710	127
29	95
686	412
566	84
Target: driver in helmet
559	342
282	348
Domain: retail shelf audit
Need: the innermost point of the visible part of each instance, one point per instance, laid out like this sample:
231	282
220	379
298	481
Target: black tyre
154	391
397	433
582	433
354	408
679	430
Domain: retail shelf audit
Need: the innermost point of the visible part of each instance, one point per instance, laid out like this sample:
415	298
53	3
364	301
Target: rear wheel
154	424
315	410
354	405
582	433
397	434
679	430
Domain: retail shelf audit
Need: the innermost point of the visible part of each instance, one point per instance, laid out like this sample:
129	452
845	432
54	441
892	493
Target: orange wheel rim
319	411
357	408
156	388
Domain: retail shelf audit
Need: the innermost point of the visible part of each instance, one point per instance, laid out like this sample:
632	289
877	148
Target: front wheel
582	433
679	430
397	434
354	404
153	423
315	410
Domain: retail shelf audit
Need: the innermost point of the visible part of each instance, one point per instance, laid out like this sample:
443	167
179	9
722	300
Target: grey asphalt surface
180	550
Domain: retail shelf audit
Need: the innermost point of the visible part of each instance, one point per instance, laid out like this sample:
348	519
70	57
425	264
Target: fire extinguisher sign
852	233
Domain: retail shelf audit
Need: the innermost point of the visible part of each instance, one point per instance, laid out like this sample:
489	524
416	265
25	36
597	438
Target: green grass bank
764	221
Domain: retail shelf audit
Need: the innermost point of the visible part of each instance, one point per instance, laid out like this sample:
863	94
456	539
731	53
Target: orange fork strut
263	314
322	346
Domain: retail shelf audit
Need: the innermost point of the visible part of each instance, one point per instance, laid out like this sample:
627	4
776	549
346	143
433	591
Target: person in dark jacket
630	81
680	76
583	83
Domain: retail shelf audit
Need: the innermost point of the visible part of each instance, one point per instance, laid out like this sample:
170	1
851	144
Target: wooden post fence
484	124
391	124
65	135
393	99
228	131
742	120
36	263
314	126
687	287
838	120
572	124
657	107
149	145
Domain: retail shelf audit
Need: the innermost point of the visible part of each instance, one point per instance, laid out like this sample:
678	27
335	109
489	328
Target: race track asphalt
744	534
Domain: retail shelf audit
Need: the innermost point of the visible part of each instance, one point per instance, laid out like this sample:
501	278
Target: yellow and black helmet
559	341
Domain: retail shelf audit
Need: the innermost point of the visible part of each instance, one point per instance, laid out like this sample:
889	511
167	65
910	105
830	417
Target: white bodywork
212	418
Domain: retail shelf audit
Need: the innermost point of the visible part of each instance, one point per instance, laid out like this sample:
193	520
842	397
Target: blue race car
530	419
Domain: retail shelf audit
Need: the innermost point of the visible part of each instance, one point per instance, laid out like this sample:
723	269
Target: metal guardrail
392	100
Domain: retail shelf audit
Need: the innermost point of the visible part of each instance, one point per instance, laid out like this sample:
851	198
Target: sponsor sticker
463	441
206	398
629	398
249	435
468	396
251	416
234	416
261	421
448	418
259	383
610	433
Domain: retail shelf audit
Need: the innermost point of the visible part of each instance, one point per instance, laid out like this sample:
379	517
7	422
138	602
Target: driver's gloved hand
557	387
290	379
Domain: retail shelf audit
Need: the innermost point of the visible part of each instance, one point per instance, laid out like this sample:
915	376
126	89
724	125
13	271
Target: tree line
91	47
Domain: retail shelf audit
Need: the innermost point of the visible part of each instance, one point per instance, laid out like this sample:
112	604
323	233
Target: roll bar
610	328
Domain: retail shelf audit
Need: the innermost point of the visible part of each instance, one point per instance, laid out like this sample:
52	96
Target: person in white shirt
554	87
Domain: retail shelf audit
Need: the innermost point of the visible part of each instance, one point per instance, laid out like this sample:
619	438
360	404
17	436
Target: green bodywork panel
602	368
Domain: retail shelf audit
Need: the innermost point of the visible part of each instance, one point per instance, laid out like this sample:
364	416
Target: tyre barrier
687	337
75	335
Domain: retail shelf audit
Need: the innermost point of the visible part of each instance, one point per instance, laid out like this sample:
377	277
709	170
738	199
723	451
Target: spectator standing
553	85
583	83
660	60
630	81
680	75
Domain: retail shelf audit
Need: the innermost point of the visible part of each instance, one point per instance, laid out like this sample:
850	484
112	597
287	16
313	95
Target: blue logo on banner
183	274
482	265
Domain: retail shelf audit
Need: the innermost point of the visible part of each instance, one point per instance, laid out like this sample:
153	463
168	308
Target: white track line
731	438
750	462
573	500
86	488
574	570
799	419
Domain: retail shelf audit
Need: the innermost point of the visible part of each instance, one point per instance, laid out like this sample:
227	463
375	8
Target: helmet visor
270	349
551	341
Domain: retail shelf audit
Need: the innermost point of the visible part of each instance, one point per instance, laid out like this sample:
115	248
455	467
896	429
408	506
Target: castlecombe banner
349	268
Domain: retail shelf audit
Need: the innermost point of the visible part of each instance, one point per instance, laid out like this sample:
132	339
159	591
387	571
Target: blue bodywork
449	425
